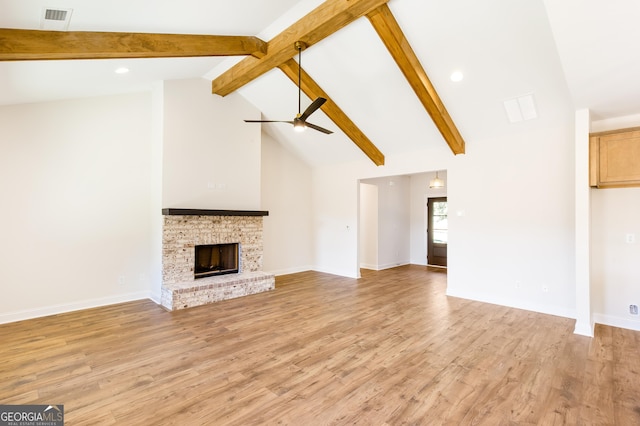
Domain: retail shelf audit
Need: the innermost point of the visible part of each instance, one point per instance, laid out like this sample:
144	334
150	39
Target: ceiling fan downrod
300	46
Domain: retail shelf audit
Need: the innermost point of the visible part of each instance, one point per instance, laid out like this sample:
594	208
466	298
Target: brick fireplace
184	229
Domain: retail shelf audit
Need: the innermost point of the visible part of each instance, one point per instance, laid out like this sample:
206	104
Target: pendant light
436	182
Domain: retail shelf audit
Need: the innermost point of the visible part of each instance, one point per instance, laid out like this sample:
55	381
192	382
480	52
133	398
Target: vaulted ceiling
573	52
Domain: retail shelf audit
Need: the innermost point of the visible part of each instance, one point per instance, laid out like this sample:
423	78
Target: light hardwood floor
387	349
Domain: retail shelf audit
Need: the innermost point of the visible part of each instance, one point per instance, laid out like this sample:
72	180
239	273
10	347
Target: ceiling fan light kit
300	121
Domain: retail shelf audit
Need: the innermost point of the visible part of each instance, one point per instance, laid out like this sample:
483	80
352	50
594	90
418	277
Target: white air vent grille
55	19
55	15
521	108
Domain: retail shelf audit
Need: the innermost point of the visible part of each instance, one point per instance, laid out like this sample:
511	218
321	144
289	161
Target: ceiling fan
300	121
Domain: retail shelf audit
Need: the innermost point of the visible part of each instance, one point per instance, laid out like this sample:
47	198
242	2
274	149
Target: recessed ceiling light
122	70
456	76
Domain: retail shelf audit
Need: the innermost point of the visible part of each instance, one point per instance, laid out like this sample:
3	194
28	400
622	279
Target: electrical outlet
545	289
633	309
121	280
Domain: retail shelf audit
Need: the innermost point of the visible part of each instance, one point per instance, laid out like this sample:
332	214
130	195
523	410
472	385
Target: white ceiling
578	53
597	42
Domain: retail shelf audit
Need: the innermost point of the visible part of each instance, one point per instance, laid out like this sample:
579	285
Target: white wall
286	194
211	157
335	220
615	275
511	215
75	179
368	226
84	181
393	223
156	220
335	201
614	261
584	320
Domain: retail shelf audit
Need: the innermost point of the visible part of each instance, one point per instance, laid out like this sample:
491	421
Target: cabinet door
619	158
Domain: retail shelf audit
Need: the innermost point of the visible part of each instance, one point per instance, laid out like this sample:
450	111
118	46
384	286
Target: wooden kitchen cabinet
615	158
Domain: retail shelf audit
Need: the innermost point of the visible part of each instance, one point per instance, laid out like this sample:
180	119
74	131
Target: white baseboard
619	322
369	266
352	274
542	309
383	267
156	297
583	329
70	307
288	271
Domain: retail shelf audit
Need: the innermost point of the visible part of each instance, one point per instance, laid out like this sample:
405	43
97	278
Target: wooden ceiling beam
25	45
394	39
323	21
313	91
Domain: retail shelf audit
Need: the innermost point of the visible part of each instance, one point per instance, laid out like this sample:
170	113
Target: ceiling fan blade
312	108
268	121
318	128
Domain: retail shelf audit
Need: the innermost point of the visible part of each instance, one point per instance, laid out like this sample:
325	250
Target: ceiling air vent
521	108
55	19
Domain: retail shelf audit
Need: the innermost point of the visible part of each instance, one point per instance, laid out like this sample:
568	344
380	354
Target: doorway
437	231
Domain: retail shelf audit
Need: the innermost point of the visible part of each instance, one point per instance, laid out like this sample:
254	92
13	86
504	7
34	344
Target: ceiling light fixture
436	182
299	126
456	76
122	70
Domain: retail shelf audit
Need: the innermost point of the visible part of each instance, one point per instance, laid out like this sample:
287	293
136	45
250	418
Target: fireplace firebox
216	259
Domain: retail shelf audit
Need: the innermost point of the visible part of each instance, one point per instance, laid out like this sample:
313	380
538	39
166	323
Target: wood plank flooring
388	349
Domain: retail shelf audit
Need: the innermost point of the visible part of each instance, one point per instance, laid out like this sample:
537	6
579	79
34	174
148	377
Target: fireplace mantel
201	212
